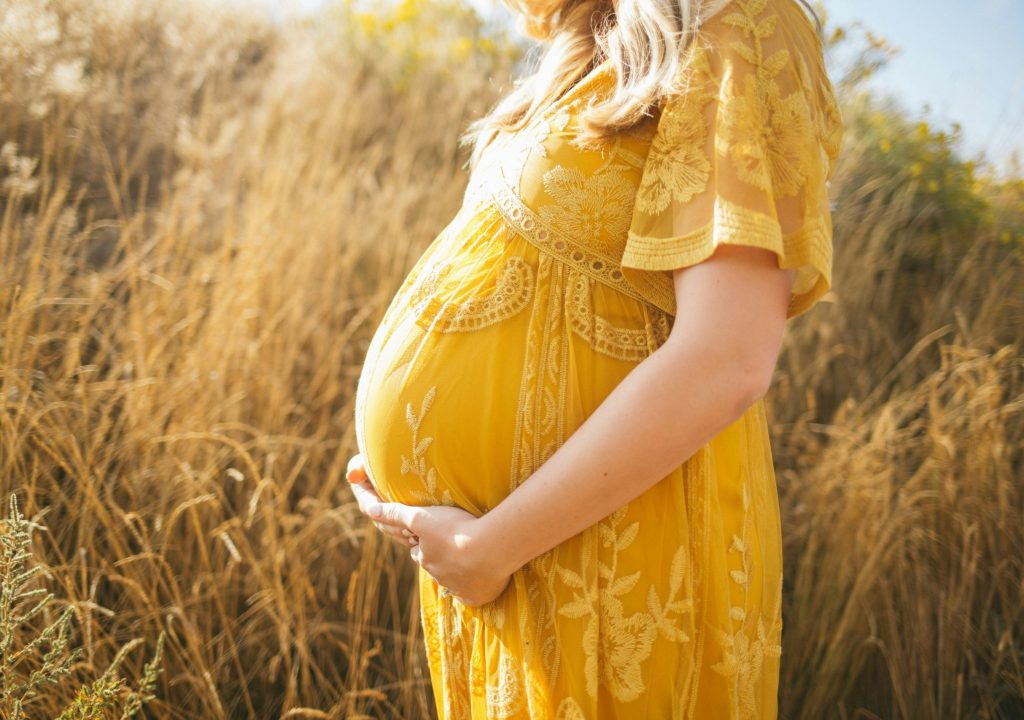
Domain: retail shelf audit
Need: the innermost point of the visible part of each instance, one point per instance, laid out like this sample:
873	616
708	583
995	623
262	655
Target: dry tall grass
189	275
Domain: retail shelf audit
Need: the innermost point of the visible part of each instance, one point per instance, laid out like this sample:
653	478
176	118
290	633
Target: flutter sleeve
741	154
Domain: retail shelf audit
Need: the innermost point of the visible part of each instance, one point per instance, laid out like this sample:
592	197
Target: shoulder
769	48
737	13
764	35
755	69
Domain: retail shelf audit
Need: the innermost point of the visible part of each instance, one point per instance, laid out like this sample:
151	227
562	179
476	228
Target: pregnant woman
562	411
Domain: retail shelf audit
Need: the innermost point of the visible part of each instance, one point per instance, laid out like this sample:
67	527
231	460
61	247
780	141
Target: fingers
397	532
356	470
366	495
391	523
394	519
392	531
370	501
397	514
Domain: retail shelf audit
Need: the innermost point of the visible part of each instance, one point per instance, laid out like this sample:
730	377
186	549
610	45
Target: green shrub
47	658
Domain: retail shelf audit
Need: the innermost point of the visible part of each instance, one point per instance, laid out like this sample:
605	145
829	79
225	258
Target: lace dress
549	285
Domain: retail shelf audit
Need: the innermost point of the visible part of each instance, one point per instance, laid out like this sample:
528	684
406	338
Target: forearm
668	407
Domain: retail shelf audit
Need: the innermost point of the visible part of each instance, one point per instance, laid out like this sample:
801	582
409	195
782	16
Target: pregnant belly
436	411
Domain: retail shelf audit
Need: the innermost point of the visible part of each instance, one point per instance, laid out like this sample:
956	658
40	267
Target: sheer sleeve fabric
741	154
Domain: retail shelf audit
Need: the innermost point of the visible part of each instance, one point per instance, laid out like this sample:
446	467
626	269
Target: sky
964	59
959	61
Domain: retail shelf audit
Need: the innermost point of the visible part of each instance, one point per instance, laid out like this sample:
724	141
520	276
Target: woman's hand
367	495
445	541
449	546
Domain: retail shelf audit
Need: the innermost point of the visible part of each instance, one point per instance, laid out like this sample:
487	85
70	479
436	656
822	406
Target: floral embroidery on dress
763	119
513	152
617	644
417	464
677	166
592	207
743	656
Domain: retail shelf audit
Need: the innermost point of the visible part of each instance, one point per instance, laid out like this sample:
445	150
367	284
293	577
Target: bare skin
718	360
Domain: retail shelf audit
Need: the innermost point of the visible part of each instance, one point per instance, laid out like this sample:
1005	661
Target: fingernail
407	532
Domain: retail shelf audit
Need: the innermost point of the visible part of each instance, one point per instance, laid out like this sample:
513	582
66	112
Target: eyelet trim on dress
512	293
544	237
631	344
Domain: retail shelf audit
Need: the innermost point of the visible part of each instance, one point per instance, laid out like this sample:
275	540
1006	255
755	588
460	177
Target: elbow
758	389
753	369
739	372
751	383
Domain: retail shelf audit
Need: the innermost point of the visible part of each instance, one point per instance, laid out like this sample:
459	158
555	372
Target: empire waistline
527	223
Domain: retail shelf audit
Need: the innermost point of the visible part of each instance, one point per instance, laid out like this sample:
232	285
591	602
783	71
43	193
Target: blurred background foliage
203	214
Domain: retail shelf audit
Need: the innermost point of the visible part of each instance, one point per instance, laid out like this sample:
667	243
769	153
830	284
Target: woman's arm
718	360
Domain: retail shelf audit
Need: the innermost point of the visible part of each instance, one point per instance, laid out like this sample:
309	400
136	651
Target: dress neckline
566	99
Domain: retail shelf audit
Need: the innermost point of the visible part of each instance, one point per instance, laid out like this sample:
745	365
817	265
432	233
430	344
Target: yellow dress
549	285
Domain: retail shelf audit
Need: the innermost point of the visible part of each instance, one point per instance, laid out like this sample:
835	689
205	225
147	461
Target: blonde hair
644	41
